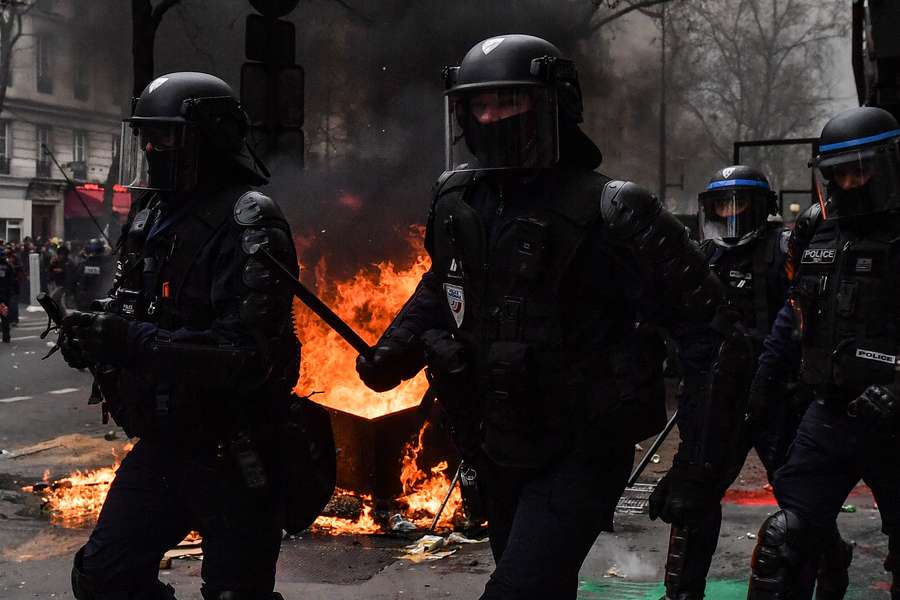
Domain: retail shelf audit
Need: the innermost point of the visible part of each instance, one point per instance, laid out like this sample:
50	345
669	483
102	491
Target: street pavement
45	400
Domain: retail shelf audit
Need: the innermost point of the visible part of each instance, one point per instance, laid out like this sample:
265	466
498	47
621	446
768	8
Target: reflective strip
714	185
860	141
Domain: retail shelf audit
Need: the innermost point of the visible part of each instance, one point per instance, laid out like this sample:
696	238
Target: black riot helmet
735	206
94	247
857	167
184	128
507	102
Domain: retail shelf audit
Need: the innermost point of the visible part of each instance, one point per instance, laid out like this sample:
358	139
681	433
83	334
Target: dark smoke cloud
373	74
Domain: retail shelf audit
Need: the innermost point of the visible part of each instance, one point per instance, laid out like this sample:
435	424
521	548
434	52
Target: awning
92	196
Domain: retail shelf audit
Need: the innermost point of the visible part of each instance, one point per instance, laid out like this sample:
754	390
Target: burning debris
75	500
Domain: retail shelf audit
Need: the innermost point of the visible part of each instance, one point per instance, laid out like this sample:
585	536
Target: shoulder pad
808	220
627	208
254	207
708	248
450	180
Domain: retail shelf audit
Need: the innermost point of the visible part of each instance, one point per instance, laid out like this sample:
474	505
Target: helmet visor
151	154
859	182
732	217
502	128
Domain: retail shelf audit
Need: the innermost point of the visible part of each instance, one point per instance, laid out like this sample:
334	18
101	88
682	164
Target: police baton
648	456
307	297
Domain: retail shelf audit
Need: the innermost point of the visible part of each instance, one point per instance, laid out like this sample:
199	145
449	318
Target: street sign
274	8
270	41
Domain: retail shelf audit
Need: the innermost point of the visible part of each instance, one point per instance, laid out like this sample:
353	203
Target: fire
75	500
364	524
423	493
368	301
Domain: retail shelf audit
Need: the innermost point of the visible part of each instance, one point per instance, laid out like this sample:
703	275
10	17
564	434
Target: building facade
61	97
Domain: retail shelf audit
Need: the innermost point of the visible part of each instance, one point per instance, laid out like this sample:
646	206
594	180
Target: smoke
611	553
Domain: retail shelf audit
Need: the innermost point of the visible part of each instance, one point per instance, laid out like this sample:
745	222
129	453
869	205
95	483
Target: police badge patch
456	299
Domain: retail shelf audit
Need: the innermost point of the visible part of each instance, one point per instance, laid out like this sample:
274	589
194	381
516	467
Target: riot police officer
93	275
842	320
195	353
748	254
526	318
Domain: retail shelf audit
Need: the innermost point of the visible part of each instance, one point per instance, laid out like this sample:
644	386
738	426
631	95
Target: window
79	154
82	84
11	230
43	158
44	62
5	146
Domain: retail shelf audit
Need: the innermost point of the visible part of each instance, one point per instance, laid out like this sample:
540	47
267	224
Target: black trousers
771	443
159	496
543	523
831	454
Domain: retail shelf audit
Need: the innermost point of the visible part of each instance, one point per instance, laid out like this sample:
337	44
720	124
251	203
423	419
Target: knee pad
783	546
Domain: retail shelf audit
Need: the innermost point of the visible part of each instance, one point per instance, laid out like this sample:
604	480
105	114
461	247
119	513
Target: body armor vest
753	277
505	300
845	300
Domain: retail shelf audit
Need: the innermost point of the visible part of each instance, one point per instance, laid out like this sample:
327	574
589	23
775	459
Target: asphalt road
44	413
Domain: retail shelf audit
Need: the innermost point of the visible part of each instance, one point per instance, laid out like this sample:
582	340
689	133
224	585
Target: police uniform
526	323
195	354
842	320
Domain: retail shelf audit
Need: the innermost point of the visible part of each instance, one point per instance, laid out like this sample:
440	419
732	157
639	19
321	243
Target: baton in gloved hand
307	297
648	455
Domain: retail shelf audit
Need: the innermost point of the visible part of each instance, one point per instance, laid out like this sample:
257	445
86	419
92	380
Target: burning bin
370	451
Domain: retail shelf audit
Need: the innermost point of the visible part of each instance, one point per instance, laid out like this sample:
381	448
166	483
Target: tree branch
640	4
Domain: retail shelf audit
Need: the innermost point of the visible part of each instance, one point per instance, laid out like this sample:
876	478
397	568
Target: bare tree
755	69
619	9
12	13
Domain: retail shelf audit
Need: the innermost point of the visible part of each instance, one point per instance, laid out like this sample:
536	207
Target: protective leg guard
209	594
892	564
85	587
677	585
782	567
833	577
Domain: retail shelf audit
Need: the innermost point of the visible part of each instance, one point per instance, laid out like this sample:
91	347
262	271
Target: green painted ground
617	589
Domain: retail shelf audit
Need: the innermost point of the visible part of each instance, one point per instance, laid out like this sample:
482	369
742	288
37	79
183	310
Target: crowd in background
59	262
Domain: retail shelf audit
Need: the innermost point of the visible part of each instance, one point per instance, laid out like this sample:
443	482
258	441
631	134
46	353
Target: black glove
443	353
763	391
72	354
681	499
396	358
876	408
101	337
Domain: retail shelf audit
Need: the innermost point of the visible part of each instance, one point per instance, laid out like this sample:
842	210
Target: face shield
502	128
158	156
859	182
733	217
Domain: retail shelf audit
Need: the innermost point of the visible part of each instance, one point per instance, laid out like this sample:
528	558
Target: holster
308	459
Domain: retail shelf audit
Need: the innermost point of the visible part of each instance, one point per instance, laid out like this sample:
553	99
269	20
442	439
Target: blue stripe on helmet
714	185
860	141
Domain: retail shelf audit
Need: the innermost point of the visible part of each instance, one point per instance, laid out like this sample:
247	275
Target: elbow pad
635	218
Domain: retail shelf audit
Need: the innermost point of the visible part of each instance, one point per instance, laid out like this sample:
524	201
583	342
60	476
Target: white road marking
64	391
14	399
24	337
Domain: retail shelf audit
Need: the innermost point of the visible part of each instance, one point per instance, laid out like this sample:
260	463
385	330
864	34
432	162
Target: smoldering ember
522	299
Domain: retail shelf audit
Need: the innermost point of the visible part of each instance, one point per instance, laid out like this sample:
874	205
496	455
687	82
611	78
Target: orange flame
368	301
75	500
423	493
